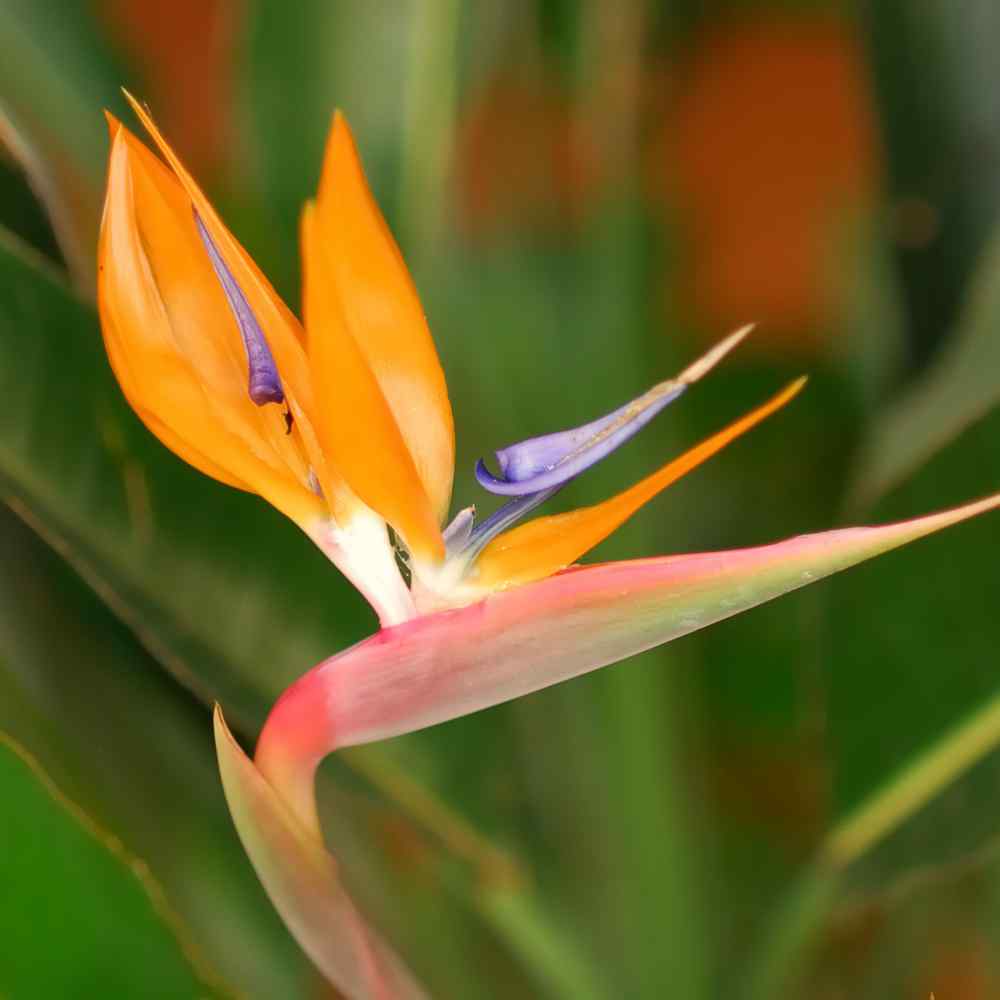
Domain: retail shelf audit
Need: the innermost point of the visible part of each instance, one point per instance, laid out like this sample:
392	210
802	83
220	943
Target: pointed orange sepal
382	312
546	545
355	424
273	315
284	332
172	340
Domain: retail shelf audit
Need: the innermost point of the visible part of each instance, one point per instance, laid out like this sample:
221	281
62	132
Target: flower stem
429	122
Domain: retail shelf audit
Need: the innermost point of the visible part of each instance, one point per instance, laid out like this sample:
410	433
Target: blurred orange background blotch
780	786
186	50
771	150
960	968
522	159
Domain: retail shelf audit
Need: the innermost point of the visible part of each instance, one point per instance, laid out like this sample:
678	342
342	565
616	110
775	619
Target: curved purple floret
466	539
459	530
551	460
502	519
264	382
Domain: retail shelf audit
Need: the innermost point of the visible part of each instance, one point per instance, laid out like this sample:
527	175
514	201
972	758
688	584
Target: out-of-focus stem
557	962
429	121
794	932
611	83
494	866
915	786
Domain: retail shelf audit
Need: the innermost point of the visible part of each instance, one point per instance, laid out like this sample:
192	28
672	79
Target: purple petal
463	537
549	461
458	532
553	459
264	381
501	519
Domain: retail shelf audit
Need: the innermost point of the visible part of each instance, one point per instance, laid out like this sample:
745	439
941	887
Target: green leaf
135	751
957	391
912	656
913	717
79	914
56	77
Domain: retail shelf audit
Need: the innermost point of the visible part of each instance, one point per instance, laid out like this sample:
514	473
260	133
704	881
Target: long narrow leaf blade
959	390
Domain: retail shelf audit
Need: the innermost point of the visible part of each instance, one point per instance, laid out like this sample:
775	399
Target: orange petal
190	454
173	342
272	314
355	423
284	333
546	545
383	313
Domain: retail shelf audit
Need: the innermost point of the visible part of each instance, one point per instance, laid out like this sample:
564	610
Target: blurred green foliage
550	168
87	894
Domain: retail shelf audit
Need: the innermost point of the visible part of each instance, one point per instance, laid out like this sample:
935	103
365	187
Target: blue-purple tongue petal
460	529
549	461
499	521
542	462
264	382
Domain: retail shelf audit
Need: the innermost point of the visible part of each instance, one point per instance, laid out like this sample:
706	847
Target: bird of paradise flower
343	423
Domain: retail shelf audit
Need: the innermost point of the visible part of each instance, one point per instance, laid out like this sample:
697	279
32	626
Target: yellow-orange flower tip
113	123
371	298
